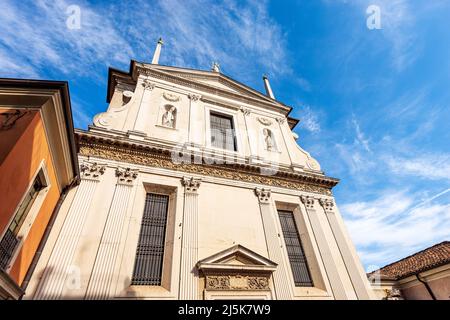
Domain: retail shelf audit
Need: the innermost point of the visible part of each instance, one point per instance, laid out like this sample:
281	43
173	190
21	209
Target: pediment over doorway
237	258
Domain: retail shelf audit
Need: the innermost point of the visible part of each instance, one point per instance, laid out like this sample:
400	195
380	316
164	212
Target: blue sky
374	104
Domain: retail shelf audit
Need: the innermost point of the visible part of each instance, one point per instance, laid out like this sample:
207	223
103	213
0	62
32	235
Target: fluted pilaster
326	253
189	250
59	266
280	276
103	271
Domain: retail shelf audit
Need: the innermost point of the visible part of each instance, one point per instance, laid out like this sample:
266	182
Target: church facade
193	186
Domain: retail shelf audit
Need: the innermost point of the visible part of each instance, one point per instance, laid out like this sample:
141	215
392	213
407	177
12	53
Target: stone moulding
132	153
237	282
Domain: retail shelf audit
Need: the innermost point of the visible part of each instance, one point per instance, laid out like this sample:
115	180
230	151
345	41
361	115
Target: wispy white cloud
309	119
426	166
396	223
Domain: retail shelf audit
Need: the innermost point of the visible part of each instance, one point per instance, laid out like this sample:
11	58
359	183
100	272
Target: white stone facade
223	236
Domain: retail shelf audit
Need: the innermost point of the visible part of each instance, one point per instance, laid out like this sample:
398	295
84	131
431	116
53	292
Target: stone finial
308	201
191	184
157	53
263	195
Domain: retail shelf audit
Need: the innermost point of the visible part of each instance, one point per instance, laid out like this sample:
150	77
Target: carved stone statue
268	139
169	117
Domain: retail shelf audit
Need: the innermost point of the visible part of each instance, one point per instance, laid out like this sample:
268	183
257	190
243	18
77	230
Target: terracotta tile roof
427	259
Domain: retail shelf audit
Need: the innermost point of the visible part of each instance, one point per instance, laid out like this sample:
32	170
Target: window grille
297	259
9	242
150	250
222	132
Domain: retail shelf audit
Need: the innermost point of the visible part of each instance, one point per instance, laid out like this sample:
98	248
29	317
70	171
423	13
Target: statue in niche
268	139
169	117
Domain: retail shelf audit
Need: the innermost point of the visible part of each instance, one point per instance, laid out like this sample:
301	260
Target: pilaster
144	106
351	260
189	250
280	275
328	249
103	271
59	267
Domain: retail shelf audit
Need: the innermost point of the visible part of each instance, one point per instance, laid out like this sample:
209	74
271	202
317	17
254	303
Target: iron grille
9	242
297	259
7	246
150	249
222	132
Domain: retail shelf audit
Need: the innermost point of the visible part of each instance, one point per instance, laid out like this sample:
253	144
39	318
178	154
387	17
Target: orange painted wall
16	173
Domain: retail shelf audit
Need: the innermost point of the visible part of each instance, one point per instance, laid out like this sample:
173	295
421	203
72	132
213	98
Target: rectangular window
9	242
150	250
222	132
297	259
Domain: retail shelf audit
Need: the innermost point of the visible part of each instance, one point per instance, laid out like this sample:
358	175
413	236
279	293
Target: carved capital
191	184
148	85
281	120
126	176
245	111
263	195
91	171
308	201
194	97
327	204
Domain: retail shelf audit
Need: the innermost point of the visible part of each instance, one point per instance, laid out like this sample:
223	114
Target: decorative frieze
304	182
237	282
126	176
191	184
91	171
263	195
327	204
308	201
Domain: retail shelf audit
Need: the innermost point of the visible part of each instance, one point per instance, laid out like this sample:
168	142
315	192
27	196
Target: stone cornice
115	148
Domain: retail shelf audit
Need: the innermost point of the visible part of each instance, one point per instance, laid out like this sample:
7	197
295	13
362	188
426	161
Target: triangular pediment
215	80
237	257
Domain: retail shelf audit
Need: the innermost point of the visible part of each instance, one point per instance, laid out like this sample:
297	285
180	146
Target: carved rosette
237	282
194	97
308	201
191	184
91	171
148	85
126	176
327	204
263	195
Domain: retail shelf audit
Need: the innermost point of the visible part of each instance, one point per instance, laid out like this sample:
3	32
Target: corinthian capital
245	111
148	85
308	201
126	176
194	97
191	184
327	204
91	171
263	195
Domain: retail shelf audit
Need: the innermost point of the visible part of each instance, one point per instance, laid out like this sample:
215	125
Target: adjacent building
424	275
38	164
